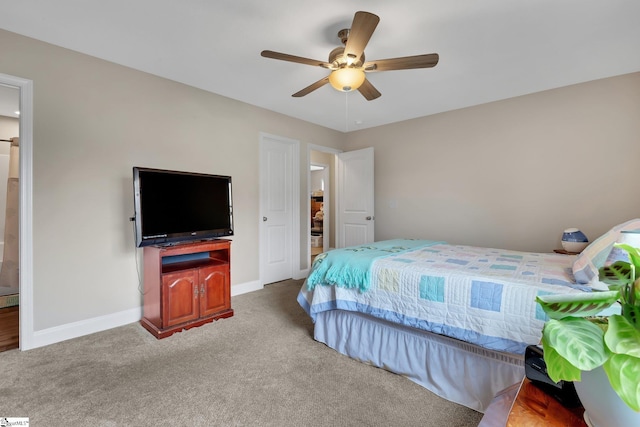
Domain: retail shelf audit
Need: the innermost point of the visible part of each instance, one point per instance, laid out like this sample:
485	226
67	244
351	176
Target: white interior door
278	157
355	215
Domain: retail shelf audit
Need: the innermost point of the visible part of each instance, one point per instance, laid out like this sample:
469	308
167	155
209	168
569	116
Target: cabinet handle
202	289
195	291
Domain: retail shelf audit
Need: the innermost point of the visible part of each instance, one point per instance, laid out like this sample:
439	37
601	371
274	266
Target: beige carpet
258	368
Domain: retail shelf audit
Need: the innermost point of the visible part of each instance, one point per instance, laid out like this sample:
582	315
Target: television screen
173	206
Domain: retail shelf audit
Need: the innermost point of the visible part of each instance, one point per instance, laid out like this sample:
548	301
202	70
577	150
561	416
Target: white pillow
586	265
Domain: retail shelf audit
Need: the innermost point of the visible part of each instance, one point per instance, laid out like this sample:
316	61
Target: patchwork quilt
351	267
480	295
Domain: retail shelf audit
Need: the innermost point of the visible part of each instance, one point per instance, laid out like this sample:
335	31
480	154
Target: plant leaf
631	312
634	254
623	372
621	337
577	340
559	368
619	273
576	305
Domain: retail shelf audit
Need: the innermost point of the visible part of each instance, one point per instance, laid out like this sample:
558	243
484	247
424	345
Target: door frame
333	231
295	206
26	334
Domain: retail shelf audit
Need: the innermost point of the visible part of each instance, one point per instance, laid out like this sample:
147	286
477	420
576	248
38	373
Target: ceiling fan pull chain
346	109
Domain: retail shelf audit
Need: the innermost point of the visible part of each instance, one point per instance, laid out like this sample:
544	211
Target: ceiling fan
348	65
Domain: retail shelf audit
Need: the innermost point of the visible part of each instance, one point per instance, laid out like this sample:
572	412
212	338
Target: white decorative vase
602	406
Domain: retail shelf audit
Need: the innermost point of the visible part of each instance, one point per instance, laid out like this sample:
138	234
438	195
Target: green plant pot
603	407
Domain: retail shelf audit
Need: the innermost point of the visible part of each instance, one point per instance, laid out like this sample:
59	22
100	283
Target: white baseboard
102	323
244	288
84	327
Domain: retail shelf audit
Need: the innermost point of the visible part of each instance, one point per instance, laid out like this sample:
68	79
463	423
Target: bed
454	319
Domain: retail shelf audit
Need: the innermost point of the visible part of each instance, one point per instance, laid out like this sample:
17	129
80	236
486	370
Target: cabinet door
179	297
214	289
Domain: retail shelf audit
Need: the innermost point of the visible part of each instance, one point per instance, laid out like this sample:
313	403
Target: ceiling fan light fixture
346	79
347	64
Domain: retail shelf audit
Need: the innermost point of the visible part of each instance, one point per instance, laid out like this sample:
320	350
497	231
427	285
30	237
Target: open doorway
319	182
9	216
348	198
27	339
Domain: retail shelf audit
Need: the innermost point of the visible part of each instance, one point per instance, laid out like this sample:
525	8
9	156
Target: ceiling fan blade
368	91
405	63
364	23
293	58
307	90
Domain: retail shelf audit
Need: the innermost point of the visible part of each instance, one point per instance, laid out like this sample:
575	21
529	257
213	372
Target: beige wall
515	173
94	121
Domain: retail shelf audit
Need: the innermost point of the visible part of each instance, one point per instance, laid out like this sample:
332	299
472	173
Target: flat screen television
173	207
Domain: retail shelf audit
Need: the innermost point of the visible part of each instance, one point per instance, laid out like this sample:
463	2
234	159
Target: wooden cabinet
186	285
214	290
180	298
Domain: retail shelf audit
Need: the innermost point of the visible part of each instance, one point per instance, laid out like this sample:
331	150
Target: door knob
369	218
264	219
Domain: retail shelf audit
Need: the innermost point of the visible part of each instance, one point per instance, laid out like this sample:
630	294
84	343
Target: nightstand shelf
524	404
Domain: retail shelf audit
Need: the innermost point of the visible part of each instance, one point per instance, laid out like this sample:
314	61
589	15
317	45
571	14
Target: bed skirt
454	370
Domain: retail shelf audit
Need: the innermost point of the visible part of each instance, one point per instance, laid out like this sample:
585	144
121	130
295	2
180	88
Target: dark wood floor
9	328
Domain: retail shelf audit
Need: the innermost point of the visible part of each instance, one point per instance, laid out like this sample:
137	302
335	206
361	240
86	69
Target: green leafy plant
578	338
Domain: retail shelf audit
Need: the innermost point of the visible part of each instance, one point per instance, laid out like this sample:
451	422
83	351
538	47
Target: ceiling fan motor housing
337	59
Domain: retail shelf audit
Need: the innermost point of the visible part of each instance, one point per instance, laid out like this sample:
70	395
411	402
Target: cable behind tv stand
186	285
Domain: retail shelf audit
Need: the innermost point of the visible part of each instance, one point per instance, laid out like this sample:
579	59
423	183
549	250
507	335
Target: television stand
186	285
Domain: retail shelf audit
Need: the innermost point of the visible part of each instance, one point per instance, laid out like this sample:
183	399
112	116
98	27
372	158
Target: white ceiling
489	50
